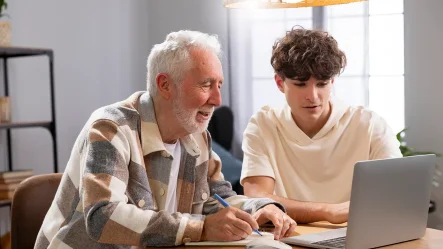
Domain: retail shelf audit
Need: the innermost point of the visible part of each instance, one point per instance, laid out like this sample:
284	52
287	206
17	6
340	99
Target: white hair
173	58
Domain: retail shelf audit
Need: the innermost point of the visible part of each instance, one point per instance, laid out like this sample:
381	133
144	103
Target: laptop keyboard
336	242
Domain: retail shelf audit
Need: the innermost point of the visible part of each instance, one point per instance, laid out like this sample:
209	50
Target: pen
225	204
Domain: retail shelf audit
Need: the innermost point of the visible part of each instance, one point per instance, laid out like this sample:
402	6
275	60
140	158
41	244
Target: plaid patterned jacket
113	191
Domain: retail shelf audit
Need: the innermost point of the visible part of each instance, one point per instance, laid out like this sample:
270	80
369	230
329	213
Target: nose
215	98
312	93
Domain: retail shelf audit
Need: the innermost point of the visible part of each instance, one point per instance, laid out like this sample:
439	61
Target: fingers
236	233
227	225
241	228
288	226
241	223
242	215
338	213
277	220
285	226
291	229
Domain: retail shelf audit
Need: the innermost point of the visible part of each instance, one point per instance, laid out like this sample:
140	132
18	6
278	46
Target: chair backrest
221	126
30	203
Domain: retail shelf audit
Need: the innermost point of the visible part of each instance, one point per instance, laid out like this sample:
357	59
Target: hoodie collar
291	129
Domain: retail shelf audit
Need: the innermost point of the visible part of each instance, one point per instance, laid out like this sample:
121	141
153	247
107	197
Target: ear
280	83
164	85
332	80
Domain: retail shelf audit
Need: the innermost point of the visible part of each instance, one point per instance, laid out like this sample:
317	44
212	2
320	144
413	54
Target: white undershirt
171	197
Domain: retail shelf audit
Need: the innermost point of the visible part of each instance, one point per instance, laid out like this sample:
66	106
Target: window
386	61
371	34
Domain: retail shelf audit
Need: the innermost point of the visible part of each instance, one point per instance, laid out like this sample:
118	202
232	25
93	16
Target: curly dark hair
303	53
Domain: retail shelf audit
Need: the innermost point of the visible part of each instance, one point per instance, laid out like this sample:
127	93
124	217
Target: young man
312	143
142	171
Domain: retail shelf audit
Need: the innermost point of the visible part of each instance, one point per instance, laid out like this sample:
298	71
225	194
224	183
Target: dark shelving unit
14	52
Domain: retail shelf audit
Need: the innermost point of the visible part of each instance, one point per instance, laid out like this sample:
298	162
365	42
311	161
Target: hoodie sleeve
384	143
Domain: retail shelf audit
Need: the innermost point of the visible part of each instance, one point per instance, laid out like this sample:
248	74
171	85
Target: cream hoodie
317	169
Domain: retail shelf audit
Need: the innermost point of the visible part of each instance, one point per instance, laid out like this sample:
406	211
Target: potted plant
5	26
408	151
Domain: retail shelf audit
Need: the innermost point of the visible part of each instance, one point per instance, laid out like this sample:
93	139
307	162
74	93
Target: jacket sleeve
108	215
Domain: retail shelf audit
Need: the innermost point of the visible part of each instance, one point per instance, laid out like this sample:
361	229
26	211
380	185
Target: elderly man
142	171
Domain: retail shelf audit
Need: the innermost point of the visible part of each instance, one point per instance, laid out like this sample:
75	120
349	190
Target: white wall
207	16
100	50
423	84
100	58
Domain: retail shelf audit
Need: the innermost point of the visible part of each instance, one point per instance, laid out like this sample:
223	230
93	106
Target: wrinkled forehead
206	62
202	56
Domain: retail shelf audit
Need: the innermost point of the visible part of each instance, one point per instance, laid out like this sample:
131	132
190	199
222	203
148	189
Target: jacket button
162	192
186	240
141	203
165	154
204	196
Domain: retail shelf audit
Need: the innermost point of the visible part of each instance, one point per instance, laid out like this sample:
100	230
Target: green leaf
407	151
401	135
3	6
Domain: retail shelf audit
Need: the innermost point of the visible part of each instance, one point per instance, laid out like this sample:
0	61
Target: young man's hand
229	224
337	213
284	225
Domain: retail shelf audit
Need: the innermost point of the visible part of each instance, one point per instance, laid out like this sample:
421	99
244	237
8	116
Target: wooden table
433	239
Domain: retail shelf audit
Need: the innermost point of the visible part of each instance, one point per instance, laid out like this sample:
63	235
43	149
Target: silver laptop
389	204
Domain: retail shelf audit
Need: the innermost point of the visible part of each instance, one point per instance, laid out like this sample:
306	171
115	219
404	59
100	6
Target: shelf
45	124
7	52
5	202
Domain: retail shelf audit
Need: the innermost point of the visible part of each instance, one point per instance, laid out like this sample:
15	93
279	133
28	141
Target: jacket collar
150	134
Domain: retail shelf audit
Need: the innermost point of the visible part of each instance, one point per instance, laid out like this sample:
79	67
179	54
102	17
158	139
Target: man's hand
228	224
284	225
337	213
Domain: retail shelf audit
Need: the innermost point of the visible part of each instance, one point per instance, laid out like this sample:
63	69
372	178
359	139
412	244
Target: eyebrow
318	81
212	80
